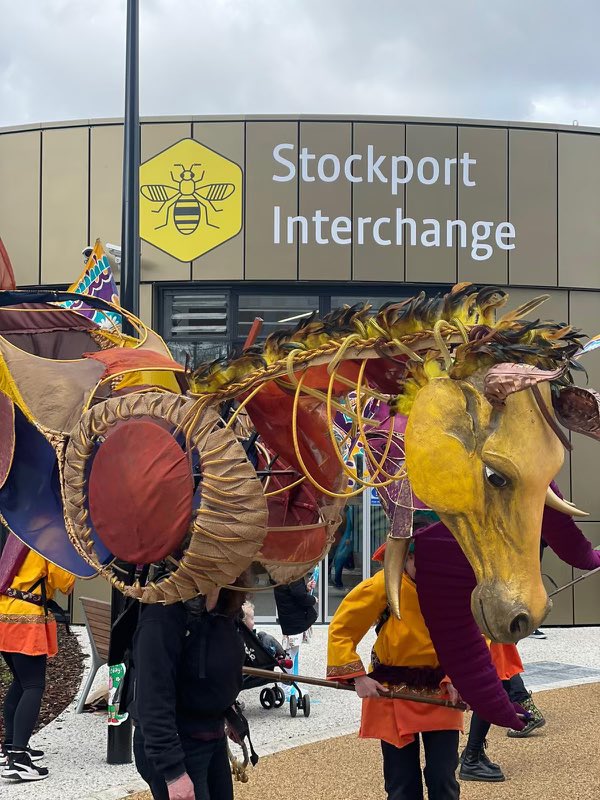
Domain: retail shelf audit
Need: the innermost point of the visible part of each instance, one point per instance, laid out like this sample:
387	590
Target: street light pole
119	736
130	217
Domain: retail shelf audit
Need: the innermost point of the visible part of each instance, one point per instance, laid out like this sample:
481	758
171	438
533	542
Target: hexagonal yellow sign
190	200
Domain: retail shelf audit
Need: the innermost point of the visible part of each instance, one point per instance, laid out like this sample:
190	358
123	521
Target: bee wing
158	192
216	191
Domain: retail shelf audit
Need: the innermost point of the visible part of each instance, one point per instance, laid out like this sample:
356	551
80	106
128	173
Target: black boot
476	766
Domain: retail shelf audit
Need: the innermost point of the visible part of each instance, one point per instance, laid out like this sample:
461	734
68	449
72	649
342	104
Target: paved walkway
559	762
76	744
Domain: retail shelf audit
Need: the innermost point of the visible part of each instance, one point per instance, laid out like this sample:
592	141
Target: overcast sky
491	59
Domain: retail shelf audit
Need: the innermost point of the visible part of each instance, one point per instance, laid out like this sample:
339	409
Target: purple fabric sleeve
445	581
566	539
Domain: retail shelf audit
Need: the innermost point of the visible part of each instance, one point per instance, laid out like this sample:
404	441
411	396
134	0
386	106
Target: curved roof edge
463	122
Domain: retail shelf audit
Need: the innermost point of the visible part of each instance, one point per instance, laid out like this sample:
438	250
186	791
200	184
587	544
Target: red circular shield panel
140	492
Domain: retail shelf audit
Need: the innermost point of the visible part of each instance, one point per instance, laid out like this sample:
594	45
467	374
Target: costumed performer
403	659
28	638
445	584
475	764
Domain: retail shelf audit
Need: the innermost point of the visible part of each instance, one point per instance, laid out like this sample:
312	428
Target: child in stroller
265	652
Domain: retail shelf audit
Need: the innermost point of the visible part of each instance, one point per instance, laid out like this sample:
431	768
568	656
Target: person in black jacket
296	612
296	607
187	665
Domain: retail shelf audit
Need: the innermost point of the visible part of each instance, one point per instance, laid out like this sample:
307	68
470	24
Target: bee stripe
219	191
156	192
186	216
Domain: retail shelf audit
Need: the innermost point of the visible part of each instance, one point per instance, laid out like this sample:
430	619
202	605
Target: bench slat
98	618
98	607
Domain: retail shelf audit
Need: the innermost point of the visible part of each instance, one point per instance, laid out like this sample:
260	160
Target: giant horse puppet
112	452
482	444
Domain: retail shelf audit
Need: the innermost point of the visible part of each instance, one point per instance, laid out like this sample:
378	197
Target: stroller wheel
267	697
293	706
279	696
306	705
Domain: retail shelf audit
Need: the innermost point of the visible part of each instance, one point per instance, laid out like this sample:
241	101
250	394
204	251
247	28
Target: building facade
329	211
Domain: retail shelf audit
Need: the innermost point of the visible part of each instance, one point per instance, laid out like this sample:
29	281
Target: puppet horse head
482	453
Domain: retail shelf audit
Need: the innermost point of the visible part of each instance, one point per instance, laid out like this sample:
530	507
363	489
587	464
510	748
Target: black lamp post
130	217
119	737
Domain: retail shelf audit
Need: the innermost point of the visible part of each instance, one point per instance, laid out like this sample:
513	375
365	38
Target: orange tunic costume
506	659
24	628
403	643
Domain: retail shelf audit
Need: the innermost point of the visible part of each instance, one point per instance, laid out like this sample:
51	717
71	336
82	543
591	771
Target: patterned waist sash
424	678
28	597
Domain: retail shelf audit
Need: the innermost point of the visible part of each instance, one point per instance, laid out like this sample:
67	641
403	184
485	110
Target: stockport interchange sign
192	200
481	236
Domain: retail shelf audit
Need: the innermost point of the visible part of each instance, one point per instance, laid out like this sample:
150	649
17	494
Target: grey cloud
533	59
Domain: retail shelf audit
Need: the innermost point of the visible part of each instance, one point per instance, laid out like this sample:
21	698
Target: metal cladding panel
560	573
542	181
225	262
555	308
533	207
333	199
156	265
106	183
266	260
20	203
374	200
587	592
483	203
146	303
438	201
585	315
64	203
579	210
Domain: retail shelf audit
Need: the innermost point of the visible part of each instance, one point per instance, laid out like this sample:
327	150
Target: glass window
380	527
195	353
195	314
277	310
376	302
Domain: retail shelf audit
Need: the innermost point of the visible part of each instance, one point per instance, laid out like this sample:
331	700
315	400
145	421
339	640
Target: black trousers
516	691
402	768
24	697
206	763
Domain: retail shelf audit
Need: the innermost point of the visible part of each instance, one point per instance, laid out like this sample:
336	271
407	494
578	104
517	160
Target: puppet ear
578	410
504	379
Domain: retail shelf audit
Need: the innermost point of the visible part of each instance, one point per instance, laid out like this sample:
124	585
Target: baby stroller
265	652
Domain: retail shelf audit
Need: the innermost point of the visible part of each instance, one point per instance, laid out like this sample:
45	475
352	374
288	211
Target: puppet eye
497	480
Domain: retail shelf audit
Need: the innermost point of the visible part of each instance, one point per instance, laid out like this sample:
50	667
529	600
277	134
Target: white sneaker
21	769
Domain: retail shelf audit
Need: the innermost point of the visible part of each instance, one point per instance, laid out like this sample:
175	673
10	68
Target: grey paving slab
540	675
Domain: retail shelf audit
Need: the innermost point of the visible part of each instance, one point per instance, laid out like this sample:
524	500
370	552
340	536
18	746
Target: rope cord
315	483
369	453
347	470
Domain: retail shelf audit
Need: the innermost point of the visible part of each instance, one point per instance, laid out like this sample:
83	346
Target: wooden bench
96	614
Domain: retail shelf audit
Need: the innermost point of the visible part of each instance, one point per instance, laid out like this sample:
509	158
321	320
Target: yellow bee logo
187	199
199	208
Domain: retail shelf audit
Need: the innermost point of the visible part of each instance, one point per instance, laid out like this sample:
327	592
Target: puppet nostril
520	624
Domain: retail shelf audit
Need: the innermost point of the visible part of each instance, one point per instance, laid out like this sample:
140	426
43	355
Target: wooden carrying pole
284	677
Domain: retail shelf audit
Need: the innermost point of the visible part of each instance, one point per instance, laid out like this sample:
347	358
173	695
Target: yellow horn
558	504
396	551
